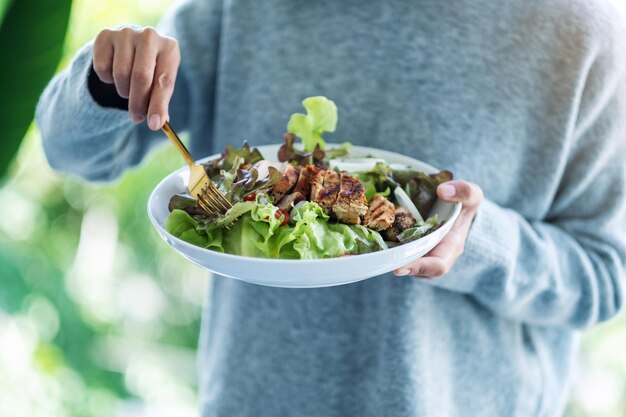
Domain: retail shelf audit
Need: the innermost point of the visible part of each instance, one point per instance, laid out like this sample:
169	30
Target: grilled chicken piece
324	188
282	187
303	186
288	201
381	214
404	220
351	203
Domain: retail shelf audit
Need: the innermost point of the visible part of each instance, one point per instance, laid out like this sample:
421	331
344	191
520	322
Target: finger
103	56
426	267
450	247
438	261
163	84
465	192
143	75
123	55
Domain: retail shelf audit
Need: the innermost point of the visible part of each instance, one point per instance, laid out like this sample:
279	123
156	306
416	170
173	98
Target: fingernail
402	272
447	190
137	118
155	122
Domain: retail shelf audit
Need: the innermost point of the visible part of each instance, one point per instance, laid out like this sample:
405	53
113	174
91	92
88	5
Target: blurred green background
99	318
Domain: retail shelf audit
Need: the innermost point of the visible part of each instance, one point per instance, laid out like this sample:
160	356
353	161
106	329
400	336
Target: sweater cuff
104	94
490	243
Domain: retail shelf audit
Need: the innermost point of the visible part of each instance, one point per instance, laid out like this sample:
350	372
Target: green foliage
4	5
31	43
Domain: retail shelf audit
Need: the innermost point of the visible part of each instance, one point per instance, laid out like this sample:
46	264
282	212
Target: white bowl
296	273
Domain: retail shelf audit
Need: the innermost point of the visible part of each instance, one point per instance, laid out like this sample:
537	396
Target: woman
526	99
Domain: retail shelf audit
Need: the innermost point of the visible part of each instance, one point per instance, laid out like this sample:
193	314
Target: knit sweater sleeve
83	136
568	268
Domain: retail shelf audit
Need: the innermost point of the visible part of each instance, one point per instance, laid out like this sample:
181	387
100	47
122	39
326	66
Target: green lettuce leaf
377	181
231	216
255	229
321	117
224	181
421	229
316	238
337	152
180	224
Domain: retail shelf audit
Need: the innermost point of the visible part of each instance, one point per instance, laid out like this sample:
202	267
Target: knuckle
172	46
165	80
103	37
126	32
474	194
141	76
149	33
119	73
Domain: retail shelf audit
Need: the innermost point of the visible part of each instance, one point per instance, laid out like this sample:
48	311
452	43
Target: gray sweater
525	98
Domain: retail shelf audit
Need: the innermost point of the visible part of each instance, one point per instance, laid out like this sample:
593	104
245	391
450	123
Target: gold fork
200	185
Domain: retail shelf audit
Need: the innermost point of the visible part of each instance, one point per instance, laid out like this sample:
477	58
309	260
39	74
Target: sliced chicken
324	188
289	180
403	221
303	186
381	214
351	203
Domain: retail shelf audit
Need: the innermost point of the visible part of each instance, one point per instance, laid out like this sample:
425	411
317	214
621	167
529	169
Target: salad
313	203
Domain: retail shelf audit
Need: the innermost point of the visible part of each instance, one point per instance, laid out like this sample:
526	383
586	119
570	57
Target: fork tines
213	201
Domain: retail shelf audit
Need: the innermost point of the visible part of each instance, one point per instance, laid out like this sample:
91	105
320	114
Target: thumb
465	192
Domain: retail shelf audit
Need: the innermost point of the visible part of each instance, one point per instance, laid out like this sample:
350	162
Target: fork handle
180	146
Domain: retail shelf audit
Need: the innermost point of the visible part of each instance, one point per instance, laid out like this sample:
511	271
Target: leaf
31	44
186	203
316	238
377	181
422	187
341	150
256	229
248	182
321	117
229	157
4	6
420	230
289	153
